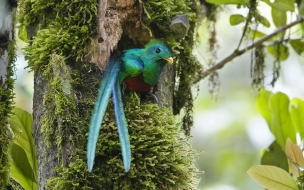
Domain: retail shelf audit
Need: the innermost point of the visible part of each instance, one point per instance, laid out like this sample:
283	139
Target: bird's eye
157	50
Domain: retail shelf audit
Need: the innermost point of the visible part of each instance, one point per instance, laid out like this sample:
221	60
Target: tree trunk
7	59
73	39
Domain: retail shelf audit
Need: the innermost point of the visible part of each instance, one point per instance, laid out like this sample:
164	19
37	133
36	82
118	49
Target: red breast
137	84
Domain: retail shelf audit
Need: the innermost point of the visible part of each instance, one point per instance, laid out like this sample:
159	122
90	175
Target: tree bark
47	160
65	87
7	58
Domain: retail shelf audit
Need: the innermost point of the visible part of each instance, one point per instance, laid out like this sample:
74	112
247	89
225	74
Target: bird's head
157	50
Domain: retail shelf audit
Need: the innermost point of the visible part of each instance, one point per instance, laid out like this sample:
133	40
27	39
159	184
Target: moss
161	159
300	180
158	17
73	177
6	102
67	27
14	185
64	30
60	104
164	160
257	68
68	102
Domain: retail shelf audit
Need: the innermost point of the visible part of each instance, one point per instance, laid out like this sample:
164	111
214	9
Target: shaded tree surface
70	42
7	59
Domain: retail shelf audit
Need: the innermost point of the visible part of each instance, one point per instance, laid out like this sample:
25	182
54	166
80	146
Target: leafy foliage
272	178
237	19
275	156
284	118
295	155
275	110
22	150
297	45
277	45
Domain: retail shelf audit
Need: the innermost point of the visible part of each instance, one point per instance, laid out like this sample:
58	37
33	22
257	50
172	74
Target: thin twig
239	52
248	20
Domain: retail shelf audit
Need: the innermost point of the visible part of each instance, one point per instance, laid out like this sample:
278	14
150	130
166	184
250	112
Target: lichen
161	158
6	102
257	67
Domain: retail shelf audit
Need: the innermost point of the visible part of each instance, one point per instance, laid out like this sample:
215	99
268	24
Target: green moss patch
6	102
161	158
65	27
60	105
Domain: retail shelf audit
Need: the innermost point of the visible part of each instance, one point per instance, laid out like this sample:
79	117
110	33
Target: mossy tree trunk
7	59
72	42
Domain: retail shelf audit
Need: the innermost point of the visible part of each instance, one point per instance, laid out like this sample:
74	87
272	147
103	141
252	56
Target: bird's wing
103	97
132	65
122	126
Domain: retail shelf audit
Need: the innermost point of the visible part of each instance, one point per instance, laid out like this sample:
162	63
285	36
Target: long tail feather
122	127
103	97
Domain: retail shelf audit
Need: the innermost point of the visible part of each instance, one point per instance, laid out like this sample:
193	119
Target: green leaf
297	115
275	156
294	154
262	104
21	125
253	34
281	5
265	22
272	178
297	45
22	33
259	18
275	110
21	170
300	5
279	51
236	19
279	18
281	125
220	2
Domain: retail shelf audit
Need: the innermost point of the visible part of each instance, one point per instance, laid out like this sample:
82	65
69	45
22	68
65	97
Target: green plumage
147	61
140	70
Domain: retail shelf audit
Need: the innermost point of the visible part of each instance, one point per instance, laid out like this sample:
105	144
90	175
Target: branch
239	52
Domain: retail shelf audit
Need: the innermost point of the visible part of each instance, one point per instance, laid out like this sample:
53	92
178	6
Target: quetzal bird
140	70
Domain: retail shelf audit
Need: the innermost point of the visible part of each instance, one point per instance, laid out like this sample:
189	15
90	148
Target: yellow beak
169	59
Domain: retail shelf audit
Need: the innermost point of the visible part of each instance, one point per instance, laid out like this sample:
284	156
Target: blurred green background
228	131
